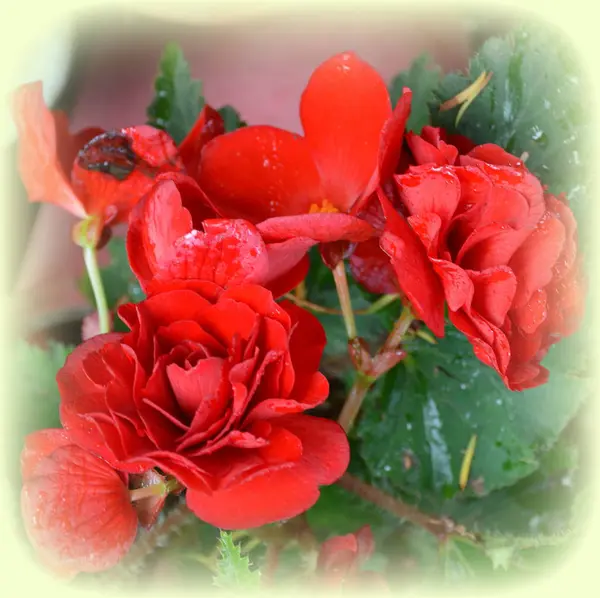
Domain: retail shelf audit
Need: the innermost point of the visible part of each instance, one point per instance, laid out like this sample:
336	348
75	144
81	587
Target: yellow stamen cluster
325	208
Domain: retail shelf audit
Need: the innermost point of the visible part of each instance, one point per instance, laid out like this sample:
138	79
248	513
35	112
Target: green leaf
536	102
423	81
119	282
178	98
417	422
233	569
231	118
463	561
503	549
35	371
542	503
340	512
36	399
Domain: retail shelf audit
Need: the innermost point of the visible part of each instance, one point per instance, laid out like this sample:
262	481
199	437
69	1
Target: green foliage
34	371
231	118
536	102
178	98
420	417
233	569
423	82
35	398
340	512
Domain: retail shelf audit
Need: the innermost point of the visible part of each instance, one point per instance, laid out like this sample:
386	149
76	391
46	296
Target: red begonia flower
92	173
368	263
483	235
209	386
175	236
75	506
306	186
341	557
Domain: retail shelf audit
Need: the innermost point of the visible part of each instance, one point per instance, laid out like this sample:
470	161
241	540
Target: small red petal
494	293
321	227
392	136
208	125
371	267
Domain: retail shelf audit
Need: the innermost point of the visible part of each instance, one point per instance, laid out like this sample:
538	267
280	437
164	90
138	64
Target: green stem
363	383
441	527
159	489
382	302
354	401
400	329
91	263
341	285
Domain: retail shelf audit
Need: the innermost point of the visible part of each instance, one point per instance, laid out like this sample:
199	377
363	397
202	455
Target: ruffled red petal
163	246
279	493
414	271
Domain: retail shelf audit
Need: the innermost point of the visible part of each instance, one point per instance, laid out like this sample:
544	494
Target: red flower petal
522	376
493	154
428	148
307	340
258	172
81	394
201	390
43	137
458	287
530	316
494	293
271	496
338	556
326	452
371	267
533	262
39	445
208	125
392	136
163	246
321	227
77	511
156	223
275	494
343	110
427	189
282	277
415	273
117	168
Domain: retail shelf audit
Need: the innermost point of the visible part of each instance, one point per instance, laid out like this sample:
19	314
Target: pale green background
25	22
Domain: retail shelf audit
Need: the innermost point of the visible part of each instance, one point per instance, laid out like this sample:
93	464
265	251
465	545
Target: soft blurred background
100	70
